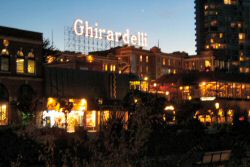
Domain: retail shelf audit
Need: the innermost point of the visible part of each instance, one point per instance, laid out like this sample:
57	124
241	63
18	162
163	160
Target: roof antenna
52	38
158	45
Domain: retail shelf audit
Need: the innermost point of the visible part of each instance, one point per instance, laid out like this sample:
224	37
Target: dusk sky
169	21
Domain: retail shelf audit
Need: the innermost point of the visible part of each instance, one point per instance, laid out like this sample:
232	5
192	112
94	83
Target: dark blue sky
169	21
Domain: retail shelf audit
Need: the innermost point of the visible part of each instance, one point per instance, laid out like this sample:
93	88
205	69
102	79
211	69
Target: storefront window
31	66
91	120
54	117
3	114
19	65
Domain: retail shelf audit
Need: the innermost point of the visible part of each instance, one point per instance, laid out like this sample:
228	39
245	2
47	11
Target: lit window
164	61
140	58
206	7
147	59
242	36
31	66
112	67
4	64
239	25
91	119
214	23
221	35
207	63
106	67
211	40
19	65
230	2
3	114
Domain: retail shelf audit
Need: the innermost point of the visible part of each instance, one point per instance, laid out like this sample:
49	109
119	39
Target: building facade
80	61
70	91
219	95
223	26
153	63
21	82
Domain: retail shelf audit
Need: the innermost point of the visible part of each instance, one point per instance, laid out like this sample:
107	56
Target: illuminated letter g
78	27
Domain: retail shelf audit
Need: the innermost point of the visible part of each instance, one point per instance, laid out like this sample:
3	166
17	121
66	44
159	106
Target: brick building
20	72
154	63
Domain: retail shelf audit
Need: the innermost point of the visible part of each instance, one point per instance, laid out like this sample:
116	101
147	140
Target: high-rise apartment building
223	26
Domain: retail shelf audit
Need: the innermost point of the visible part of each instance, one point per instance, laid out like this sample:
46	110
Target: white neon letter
126	37
110	36
133	40
145	40
101	31
118	36
78	26
87	29
96	30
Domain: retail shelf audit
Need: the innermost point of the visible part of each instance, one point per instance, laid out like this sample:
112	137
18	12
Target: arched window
4	98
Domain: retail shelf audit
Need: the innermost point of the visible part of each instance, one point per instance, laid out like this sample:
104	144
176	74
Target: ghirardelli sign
83	28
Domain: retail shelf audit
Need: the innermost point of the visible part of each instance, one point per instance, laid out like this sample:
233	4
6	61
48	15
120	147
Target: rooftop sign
82	28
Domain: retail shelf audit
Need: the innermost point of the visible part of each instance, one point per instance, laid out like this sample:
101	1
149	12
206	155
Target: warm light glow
145	78
230	113
155	84
242	36
50	59
51	100
3	114
169	108
167	93
217	105
20	65
189	97
5	52
6	43
203	83
31	66
91	119
106	67
221	113
208	98
90	58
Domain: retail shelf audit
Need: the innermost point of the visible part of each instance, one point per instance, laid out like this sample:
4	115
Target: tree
185	111
27	103
49	50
